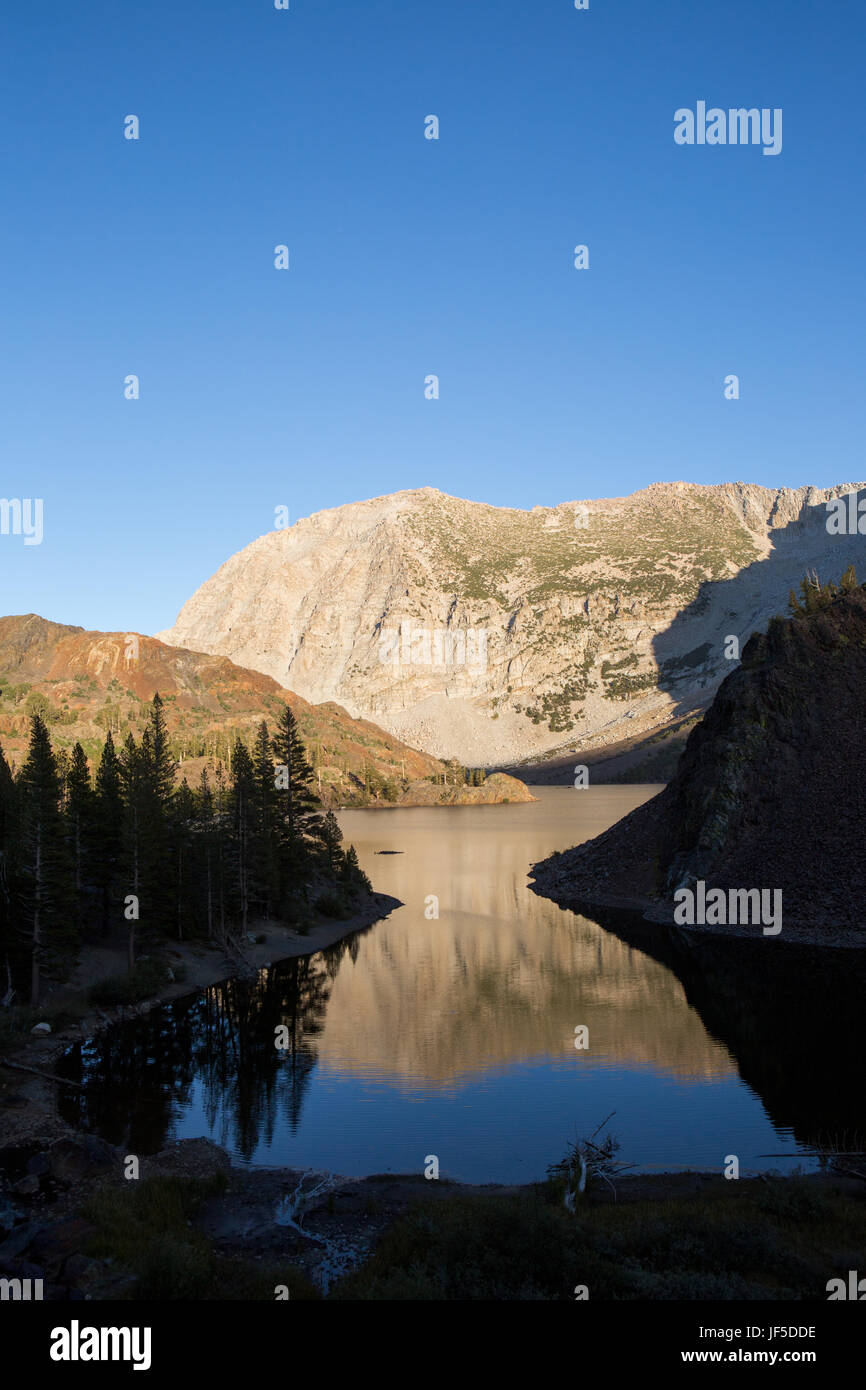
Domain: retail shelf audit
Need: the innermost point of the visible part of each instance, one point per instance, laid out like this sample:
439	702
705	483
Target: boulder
27	1186
20	1240
71	1160
54	1245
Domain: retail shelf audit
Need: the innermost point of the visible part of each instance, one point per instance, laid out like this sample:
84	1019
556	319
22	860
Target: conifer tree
332	838
45	885
205	825
79	812
352	874
162	765
243	807
220	816
183	854
298	818
8	836
74	854
132	781
156	826
266	870
107	829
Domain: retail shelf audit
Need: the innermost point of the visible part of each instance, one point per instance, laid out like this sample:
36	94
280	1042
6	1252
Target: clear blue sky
305	388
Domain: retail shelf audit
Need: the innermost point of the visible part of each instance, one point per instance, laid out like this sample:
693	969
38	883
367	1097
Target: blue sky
305	388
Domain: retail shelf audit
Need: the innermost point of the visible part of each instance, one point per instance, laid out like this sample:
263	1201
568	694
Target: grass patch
145	1227
752	1242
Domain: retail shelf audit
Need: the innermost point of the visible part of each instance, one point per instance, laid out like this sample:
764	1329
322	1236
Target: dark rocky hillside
770	791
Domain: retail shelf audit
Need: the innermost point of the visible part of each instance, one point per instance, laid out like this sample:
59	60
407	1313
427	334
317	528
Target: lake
454	1035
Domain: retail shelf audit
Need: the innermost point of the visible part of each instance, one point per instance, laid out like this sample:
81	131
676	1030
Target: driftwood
849	1172
45	1075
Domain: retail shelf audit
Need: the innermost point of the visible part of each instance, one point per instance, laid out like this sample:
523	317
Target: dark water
455	1036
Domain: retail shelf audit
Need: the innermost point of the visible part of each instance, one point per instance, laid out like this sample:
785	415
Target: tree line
84	854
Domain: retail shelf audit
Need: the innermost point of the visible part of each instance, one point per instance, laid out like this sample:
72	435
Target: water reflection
794	1019
213	1052
455	1035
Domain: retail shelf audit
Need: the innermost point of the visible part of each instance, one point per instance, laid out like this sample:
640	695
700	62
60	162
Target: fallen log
45	1075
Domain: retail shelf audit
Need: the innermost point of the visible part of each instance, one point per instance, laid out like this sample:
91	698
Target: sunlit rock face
495	635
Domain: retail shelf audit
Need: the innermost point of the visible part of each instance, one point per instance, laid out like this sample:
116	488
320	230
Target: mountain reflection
462	1026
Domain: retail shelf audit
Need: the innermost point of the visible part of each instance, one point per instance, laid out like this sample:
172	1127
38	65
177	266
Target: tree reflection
217	1047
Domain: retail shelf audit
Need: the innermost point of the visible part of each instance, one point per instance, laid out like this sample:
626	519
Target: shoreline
649	912
263	1226
204	965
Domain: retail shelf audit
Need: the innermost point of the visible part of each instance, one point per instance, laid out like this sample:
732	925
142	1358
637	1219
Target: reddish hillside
84	683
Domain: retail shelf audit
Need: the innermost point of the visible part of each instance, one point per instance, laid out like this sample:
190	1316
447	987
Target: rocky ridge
568	627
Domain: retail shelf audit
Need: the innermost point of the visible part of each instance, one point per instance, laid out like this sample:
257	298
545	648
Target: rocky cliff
495	635
769	793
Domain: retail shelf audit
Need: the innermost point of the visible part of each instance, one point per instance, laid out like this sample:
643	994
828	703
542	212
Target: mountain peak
498	634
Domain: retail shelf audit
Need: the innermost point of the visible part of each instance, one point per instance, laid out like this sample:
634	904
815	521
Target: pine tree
79	815
45	885
205	828
332	838
156	826
266	870
107	829
132	781
848	582
8	839
220	809
243	806
817	596
162	765
298	818
352	874
183	817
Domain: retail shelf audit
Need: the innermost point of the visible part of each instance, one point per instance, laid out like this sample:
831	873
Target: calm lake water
455	1036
